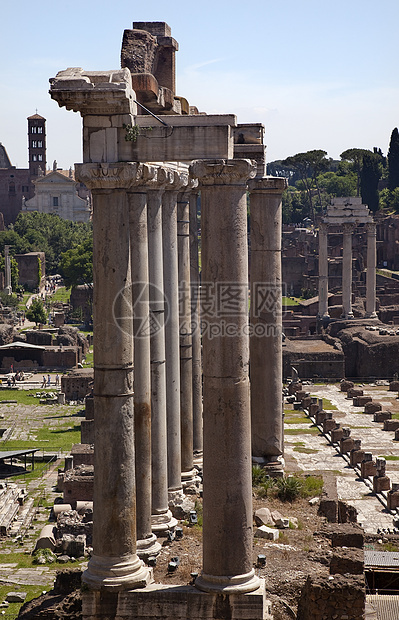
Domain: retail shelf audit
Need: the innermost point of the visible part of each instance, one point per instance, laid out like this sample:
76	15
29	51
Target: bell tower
36	145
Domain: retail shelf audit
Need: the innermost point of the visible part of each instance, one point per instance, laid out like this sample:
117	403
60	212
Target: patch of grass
299	419
391	457
302	431
327	404
390	547
305	450
23	397
88	361
290	301
61	295
48	439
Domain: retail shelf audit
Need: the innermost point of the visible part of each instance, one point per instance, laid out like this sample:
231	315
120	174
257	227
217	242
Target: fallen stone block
267	532
390	425
336	435
381	416
361	401
354	392
346	385
328	425
372	407
381	483
347	535
16	597
394	386
320	417
263	516
346	444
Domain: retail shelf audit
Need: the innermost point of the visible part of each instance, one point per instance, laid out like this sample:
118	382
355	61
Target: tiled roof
377	559
382	607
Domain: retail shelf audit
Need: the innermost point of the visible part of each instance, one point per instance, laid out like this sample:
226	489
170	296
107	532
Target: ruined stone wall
77	385
340	597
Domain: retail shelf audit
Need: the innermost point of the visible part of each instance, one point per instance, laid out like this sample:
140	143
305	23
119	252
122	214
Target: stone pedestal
323	271
266	318
227	495
114	563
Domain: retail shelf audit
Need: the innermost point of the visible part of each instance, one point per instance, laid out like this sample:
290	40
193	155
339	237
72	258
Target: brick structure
77	384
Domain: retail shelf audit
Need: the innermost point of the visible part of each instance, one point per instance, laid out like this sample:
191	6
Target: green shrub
288	488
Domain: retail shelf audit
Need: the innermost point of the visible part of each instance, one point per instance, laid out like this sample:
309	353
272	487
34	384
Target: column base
163	523
349	315
273	466
323	316
190	478
240	584
116	573
148	547
371	315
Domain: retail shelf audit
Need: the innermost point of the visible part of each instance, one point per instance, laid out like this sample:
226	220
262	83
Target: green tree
309	165
370	176
393	160
36	312
355	157
76	265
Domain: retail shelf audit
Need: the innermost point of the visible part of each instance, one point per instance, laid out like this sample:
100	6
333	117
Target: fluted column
371	270
227	495
323	271
347	271
195	328
266	355
147	544
186	357
114	563
172	344
162	519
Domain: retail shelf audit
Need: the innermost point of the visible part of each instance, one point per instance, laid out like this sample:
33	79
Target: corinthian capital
109	176
223	171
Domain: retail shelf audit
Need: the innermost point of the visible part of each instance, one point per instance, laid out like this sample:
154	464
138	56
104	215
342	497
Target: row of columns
148	424
348	229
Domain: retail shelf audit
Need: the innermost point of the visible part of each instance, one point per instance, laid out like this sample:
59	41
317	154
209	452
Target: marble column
266	353
186	357
162	520
147	544
347	272
195	328
227	495
323	271
371	270
114	563
172	345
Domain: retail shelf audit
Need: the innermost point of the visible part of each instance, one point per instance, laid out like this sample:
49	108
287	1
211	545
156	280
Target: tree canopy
76	265
36	312
393	160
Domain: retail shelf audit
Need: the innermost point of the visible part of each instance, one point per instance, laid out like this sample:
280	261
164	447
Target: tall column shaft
172	345
347	271
146	541
158	369
323	271
227	495
114	563
371	270
186	367
266	357
195	328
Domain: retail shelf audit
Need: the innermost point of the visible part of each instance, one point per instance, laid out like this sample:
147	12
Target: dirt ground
297	554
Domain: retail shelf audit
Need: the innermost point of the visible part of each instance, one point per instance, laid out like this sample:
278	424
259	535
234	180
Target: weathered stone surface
347	535
346	385
372	407
16	597
267	532
381	483
391	425
342	597
360	401
381	416
263	516
347	561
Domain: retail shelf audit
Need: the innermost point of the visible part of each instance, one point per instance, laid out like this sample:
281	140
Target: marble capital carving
131	175
272	185
223	171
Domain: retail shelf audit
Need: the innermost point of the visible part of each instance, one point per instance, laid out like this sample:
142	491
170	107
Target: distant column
172	344
347	272
147	544
196	328
162	519
114	563
371	270
323	271
266	353
227	524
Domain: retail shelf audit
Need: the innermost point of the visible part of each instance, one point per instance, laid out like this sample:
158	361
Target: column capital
348	228
223	171
371	228
323	228
109	176
272	185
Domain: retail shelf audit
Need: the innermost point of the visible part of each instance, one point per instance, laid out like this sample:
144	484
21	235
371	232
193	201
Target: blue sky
317	74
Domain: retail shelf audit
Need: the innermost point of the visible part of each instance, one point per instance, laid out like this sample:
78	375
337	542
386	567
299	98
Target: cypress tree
369	177
393	160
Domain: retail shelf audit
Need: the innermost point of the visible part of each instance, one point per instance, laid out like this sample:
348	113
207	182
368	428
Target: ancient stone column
172	345
162	519
195	328
227	517
147	544
347	271
371	270
114	563
186	357
323	271
266	355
